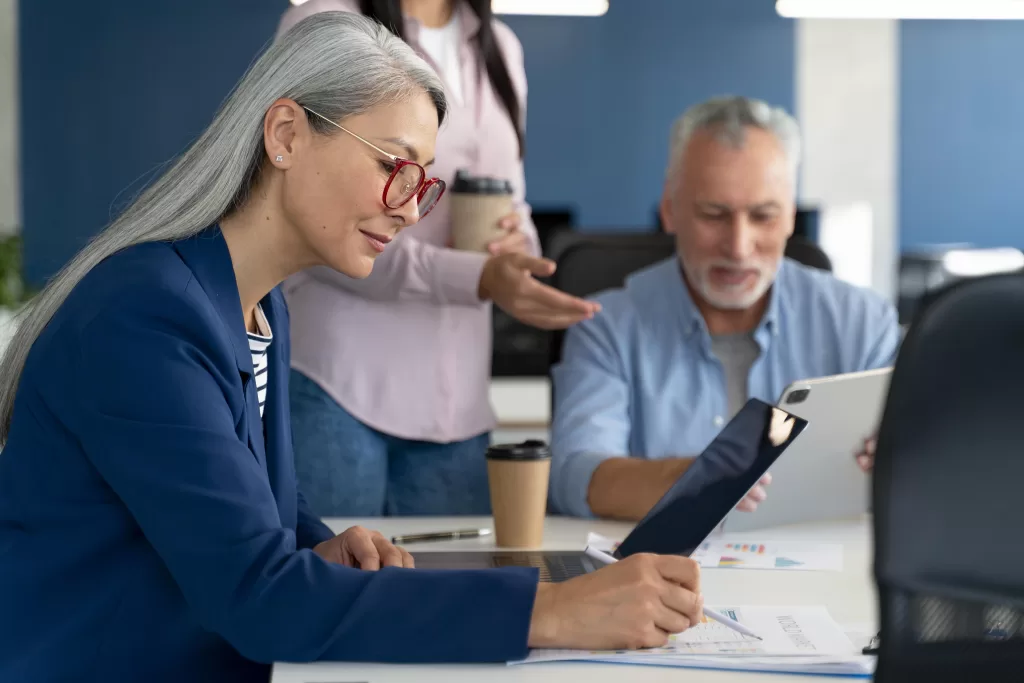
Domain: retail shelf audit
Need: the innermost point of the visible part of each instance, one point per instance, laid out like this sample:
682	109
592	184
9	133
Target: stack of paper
794	640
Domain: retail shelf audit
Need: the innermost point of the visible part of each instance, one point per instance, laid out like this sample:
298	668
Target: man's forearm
627	488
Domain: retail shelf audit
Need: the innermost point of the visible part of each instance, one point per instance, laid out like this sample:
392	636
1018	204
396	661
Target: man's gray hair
728	118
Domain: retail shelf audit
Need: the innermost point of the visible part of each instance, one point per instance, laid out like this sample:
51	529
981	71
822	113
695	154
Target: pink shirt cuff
458	275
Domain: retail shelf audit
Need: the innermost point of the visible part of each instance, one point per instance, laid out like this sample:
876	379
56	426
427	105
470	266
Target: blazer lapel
277	415
207	255
253	418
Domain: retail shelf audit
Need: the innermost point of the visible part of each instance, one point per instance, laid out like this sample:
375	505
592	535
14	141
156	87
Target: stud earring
279	158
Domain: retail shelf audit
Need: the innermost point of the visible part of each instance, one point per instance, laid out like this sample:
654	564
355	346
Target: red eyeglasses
407	180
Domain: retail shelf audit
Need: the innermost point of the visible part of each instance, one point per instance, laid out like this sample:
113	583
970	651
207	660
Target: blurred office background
914	130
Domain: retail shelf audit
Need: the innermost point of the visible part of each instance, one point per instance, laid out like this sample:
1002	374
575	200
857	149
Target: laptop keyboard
553	568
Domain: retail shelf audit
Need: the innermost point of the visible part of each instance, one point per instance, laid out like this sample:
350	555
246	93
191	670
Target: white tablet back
817	478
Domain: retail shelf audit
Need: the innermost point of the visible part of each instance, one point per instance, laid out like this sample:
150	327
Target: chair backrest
804	251
589	263
948	474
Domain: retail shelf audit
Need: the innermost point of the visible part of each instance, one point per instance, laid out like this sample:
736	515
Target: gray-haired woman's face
332	191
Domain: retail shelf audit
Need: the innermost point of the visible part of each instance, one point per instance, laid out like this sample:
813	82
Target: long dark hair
389	13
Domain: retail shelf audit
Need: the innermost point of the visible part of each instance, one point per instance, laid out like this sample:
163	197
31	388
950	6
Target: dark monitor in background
521	350
551	220
926	272
807	224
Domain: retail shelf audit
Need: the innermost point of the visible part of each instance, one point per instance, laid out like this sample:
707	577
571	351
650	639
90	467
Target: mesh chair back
949	471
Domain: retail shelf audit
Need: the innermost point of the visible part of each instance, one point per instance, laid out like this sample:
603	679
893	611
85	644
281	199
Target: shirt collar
693	321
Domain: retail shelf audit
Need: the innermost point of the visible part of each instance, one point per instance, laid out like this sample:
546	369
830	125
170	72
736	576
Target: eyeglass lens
404	184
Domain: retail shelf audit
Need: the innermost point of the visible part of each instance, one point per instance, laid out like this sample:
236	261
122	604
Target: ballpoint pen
605	558
441	536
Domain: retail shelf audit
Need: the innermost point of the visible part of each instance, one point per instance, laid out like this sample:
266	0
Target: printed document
795	639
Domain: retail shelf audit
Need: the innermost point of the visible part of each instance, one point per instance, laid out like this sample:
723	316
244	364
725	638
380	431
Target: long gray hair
338	64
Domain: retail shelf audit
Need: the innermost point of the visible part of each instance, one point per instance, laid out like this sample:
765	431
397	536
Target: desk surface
849	596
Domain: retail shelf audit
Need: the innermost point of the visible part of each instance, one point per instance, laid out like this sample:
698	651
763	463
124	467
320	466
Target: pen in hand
441	536
605	558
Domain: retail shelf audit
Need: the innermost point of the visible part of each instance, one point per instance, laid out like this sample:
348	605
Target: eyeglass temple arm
357	137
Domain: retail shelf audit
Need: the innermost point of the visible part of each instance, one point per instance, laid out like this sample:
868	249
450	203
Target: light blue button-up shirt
640	378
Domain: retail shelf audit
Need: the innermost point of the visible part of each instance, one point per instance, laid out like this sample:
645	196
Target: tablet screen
717	480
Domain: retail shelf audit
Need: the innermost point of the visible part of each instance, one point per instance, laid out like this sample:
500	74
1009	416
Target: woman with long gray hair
150	525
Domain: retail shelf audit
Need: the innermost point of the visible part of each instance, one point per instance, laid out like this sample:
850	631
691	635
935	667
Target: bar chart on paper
794	556
743	554
734	554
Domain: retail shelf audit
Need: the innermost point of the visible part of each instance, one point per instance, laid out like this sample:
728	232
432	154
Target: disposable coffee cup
478	203
518	476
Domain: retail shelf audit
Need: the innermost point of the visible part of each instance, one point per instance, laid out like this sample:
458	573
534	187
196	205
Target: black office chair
949	556
589	263
804	251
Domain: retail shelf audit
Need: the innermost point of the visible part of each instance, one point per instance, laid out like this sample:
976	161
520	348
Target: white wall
523	407
10	203
847	102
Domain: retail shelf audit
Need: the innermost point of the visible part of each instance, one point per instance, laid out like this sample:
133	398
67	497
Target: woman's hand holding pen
363	549
635	603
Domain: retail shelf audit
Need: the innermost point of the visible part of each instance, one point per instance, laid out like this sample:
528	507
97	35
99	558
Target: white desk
849	596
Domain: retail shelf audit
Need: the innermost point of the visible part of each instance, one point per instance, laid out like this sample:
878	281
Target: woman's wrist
543	623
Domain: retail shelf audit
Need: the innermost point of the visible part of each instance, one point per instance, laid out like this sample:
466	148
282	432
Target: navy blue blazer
150	526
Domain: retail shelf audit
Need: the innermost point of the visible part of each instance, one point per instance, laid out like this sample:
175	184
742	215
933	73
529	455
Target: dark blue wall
604	92
111	90
962	133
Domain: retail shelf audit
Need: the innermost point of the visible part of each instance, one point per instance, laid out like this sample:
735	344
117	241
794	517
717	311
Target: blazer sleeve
310	531
151	394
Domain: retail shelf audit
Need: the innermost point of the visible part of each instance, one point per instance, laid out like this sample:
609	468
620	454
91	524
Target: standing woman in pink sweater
390	375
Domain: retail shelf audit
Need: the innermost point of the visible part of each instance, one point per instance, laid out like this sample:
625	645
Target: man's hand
866	456
756	496
363	549
627	488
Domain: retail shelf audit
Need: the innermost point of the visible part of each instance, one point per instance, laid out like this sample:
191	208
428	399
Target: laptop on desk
685	516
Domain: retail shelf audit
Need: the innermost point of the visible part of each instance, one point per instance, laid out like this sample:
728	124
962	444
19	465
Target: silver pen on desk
441	536
712	614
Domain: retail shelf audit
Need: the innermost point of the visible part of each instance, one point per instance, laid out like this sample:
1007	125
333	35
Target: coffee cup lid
470	184
527	450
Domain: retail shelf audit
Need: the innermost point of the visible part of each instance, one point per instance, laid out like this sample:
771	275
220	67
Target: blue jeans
347	469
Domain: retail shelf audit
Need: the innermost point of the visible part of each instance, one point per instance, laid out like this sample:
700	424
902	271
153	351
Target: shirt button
718	421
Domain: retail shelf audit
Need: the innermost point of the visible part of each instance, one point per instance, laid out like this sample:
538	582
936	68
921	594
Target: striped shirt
258	345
